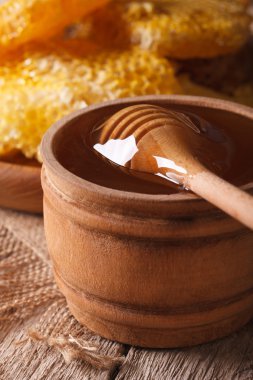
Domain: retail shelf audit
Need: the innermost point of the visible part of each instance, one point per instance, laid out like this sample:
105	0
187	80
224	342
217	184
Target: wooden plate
20	186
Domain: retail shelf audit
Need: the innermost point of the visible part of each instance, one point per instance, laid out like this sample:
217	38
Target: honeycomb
176	28
47	83
22	21
116	51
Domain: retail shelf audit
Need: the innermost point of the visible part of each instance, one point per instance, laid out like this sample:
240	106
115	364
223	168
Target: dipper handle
199	179
232	200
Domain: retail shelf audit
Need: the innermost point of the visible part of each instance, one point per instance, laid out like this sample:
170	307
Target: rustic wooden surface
229	358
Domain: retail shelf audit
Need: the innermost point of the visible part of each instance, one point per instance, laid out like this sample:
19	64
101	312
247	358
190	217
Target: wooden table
229	358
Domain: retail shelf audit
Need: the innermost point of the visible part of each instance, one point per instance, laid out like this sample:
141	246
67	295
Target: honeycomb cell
176	28
22	21
45	85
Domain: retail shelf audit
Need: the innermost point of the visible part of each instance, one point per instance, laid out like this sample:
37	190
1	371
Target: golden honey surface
225	148
168	144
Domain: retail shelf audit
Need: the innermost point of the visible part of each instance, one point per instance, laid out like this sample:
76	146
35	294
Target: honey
224	149
165	143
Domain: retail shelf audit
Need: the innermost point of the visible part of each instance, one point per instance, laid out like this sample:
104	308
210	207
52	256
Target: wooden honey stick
165	146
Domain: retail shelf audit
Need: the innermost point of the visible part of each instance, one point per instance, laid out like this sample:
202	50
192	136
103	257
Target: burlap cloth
39	338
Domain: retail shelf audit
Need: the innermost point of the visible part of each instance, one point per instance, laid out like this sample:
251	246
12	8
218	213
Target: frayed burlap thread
27	288
58	329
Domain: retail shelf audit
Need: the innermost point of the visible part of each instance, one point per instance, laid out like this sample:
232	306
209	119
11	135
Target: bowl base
159	338
153	330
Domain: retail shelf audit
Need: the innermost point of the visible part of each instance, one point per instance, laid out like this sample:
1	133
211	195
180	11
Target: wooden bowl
147	270
20	185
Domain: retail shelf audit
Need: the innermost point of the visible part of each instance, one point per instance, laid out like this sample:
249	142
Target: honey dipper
152	139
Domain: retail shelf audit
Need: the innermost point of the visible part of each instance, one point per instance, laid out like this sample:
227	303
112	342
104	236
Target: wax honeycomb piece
22	21
43	86
175	28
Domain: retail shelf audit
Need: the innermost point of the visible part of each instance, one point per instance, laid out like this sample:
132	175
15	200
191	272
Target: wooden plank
229	358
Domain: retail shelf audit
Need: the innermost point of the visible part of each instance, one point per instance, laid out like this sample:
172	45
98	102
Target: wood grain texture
20	186
225	359
30	362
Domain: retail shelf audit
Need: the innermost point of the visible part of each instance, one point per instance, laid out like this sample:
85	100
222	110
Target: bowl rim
49	159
